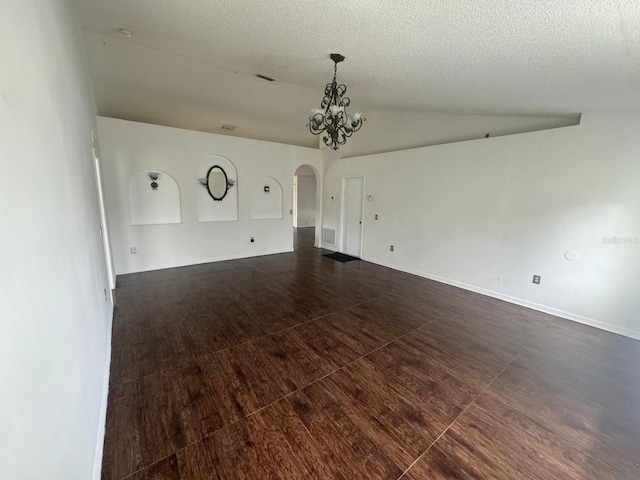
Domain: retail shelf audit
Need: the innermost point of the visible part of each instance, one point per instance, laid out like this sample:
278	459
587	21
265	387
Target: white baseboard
517	301
97	462
162	266
333	248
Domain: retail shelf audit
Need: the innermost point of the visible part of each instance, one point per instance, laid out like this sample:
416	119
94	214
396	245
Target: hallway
303	238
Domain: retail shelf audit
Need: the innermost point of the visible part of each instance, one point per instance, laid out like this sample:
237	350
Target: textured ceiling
193	61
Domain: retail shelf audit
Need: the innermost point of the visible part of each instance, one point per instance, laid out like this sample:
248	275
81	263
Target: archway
305	208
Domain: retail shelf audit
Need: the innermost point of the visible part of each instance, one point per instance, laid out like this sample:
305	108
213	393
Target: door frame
342	212
104	226
295	201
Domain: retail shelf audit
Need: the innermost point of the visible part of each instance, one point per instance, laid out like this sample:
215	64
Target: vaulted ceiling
191	64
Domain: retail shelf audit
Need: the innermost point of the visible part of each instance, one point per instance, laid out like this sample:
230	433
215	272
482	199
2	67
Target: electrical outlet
290	212
376	216
536	279
253	239
133	250
391	248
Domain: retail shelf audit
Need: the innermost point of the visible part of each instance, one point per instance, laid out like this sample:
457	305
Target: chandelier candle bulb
332	118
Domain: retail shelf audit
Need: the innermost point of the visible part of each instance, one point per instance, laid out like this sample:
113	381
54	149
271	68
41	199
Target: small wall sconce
267	189
203	182
154	176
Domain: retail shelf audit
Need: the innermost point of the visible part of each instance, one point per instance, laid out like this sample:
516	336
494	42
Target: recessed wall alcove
217	211
266	199
154	198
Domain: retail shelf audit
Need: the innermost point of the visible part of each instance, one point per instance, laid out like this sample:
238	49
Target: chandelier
332	118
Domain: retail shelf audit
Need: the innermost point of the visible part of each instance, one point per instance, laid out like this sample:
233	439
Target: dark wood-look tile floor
296	366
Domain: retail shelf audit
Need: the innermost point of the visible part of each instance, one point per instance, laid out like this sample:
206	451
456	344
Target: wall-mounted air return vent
329	236
228	128
264	77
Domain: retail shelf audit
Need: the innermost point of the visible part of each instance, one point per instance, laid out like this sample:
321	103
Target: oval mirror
217	183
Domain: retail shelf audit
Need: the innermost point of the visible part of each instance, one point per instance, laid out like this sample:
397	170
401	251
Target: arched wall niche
266	199
225	210
154	198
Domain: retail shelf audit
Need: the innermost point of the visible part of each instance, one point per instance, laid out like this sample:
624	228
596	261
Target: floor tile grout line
337	370
278	332
274	298
290	393
380	295
459	415
259	338
218	351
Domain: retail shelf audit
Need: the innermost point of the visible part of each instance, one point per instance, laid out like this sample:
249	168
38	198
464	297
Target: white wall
386	131
266	199
54	314
468	213
128	147
306	201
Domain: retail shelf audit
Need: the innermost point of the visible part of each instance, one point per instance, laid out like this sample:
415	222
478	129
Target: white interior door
352	201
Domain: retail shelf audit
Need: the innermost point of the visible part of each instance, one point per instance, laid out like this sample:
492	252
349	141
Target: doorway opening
305	192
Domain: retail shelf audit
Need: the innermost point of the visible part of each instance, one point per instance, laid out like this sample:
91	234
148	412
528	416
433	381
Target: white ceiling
191	63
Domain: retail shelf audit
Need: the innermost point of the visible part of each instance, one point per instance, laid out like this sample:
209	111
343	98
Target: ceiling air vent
229	128
264	77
